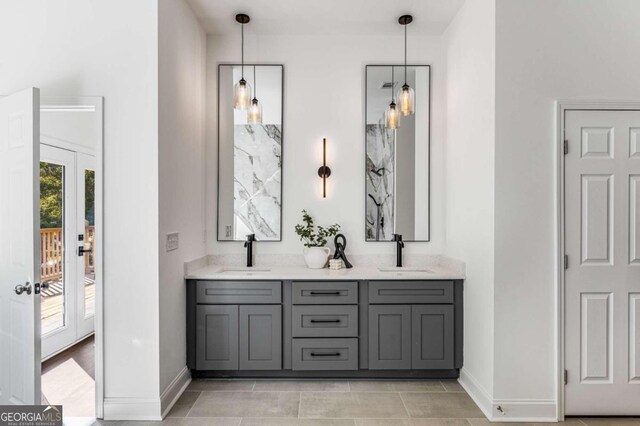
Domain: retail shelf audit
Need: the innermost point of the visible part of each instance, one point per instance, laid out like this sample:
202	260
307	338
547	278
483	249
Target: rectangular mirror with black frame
397	159
250	154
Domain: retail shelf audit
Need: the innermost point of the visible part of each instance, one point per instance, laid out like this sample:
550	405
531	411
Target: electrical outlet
227	231
173	241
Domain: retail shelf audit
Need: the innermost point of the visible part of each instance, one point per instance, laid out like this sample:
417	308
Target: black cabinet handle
335	320
324	293
322	354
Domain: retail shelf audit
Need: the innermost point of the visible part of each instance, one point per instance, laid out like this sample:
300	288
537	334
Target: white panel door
19	246
602	237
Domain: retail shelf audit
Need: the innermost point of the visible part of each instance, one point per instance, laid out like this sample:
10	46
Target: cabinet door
432	330
260	337
389	337
217	337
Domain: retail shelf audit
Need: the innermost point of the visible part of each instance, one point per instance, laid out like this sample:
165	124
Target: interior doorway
70	274
67	277
600	239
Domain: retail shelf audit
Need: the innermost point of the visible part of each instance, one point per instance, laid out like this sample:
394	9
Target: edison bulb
241	95
392	118
254	115
406	100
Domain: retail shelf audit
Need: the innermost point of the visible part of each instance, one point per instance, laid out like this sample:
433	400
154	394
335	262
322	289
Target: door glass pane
52	245
89	242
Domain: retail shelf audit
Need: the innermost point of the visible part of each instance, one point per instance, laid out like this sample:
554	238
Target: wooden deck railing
52	252
89	236
52	248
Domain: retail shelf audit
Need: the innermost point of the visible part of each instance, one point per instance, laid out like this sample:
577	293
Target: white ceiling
334	17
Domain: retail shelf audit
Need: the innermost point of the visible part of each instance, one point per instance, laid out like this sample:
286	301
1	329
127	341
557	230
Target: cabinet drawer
251	292
325	321
325	354
410	292
325	292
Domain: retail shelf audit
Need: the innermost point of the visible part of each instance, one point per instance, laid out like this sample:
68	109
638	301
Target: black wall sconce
324	172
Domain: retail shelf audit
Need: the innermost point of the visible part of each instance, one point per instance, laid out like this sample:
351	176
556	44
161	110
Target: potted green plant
315	239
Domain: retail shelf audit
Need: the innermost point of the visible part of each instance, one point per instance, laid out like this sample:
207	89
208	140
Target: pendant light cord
242	50
393	83
405	54
255	85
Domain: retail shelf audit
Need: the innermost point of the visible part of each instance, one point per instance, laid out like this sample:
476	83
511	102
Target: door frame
90	104
562	106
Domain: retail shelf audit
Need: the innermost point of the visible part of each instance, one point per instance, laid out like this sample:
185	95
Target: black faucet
249	245
399	246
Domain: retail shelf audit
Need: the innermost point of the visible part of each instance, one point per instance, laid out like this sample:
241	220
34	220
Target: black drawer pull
335	320
332	354
325	293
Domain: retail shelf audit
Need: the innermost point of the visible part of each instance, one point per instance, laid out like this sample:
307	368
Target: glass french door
85	222
67	182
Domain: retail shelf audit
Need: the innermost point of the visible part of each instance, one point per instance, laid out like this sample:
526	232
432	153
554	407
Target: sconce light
324	172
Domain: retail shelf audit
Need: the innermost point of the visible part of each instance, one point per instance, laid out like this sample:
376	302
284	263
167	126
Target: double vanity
291	321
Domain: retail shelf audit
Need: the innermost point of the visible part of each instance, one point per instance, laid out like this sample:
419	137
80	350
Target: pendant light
242	89
391	117
406	95
254	115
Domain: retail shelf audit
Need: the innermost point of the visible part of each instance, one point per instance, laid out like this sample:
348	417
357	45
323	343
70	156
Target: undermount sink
244	269
403	269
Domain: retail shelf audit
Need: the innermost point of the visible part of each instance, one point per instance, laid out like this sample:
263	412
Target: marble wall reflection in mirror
250	156
397	161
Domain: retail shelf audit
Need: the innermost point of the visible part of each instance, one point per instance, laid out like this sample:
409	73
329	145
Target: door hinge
566	261
566	147
566	377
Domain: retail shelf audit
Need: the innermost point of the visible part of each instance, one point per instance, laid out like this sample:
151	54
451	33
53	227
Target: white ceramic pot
316	257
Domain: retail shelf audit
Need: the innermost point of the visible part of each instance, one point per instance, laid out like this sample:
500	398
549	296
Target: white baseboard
171	394
477	392
507	410
153	409
132	409
524	410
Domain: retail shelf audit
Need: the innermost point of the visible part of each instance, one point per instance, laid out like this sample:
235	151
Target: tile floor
333	403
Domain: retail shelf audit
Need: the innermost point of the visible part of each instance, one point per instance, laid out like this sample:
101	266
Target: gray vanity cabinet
390	337
325	328
432	330
237	325
260	337
412	325
217	337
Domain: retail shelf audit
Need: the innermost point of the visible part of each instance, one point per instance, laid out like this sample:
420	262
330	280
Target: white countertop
220	272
